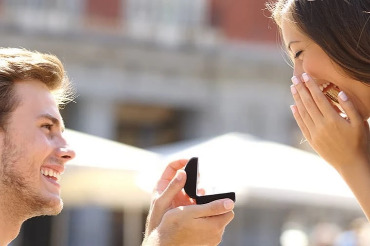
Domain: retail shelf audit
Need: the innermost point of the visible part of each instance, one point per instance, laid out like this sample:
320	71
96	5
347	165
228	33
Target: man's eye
298	54
47	126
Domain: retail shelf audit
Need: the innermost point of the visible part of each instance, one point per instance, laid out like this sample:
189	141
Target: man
33	153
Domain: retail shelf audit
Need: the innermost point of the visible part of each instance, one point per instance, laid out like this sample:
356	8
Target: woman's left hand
340	141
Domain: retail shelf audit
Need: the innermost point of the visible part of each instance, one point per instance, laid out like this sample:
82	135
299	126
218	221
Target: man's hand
175	219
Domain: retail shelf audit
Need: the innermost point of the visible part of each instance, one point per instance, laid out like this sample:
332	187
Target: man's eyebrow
54	120
290	43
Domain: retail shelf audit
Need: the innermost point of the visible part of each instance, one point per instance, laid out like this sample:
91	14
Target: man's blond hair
19	65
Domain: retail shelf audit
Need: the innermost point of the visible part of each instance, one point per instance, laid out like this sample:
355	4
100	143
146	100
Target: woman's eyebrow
292	42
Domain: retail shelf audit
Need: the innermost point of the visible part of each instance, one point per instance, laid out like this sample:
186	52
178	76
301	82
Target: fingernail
293	109
179	176
305	77
228	204
293	89
343	96
295	80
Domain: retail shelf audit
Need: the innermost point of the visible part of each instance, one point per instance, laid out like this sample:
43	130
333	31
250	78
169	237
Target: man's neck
8	231
10	225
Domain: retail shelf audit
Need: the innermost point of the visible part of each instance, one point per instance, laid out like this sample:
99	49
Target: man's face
33	152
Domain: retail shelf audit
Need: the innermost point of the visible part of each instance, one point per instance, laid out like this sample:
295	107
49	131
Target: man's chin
52	207
55	209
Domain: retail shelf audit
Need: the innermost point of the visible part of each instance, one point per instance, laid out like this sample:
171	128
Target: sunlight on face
308	57
31	158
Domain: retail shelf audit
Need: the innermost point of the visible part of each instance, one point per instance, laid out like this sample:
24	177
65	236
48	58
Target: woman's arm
342	142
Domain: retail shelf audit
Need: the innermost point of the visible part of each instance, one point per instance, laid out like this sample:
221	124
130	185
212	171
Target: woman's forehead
291	33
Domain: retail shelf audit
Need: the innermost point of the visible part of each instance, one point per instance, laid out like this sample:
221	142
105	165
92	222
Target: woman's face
309	58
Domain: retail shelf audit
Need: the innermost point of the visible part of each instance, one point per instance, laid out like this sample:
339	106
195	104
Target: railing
168	21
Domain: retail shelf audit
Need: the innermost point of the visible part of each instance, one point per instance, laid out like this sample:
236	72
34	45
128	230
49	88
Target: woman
329	44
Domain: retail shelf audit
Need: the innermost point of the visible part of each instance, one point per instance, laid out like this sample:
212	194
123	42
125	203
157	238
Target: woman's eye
298	54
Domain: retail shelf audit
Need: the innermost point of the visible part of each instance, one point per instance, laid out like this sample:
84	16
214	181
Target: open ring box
190	187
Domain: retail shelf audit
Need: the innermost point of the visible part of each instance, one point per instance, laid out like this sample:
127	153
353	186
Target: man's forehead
37	99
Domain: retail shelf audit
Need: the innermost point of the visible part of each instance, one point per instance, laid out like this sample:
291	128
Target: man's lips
52	172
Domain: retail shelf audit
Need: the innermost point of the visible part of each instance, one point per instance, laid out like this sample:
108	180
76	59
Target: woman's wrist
357	177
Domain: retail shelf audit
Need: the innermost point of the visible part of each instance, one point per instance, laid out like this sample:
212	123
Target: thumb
214	208
349	108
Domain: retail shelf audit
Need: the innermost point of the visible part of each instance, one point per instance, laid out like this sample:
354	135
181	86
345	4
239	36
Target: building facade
152	72
155	72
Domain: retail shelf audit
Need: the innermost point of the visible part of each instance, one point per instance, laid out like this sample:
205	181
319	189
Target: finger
321	101
162	200
349	108
182	199
301	125
214	225
201	191
214	208
161	203
306	117
174	187
172	168
307	100
220	220
168	174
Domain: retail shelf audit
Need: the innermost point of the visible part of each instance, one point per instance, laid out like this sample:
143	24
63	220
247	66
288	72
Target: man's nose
66	153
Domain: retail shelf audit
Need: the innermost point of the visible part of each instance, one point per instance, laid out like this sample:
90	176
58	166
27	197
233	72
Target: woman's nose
297	70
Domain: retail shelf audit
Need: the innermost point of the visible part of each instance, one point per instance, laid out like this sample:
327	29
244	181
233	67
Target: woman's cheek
310	68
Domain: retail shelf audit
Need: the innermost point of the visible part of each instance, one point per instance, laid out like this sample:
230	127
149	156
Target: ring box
190	187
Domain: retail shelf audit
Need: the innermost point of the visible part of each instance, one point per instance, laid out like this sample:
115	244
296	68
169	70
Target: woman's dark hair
340	27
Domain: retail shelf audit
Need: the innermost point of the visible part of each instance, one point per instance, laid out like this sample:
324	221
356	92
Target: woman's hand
340	141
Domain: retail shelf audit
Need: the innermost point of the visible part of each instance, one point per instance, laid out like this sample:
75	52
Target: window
145	126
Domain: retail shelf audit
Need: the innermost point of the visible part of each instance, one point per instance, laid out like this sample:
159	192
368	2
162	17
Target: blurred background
155	77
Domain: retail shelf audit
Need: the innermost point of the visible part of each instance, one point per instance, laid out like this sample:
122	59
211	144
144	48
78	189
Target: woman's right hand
341	142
